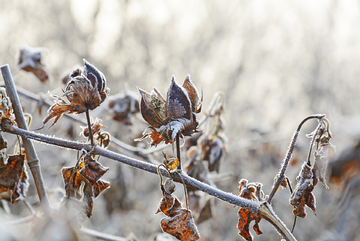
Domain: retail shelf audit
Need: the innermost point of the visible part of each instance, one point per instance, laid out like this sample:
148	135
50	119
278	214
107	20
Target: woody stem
289	154
89	127
177	141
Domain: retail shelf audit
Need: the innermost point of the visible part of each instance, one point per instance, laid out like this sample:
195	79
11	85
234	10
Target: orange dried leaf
100	186
249	191
20	187
93	170
6	110
179	222
181	226
11	172
72	180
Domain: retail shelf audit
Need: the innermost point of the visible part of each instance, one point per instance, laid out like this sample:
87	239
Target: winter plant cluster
171	118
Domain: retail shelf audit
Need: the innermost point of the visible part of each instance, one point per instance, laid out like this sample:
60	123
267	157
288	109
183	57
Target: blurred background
276	63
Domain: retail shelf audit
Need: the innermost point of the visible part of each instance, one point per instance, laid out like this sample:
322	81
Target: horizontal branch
253	206
134	150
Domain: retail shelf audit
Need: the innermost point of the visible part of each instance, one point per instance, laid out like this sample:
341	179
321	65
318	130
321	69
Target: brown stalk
289	154
32	158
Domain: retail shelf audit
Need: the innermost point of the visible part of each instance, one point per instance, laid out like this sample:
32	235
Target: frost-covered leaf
302	195
249	191
179	221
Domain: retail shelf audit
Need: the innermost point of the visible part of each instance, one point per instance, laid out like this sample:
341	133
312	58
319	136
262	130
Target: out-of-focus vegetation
275	62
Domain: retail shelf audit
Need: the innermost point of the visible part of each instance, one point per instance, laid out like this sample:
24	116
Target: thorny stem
32	158
89	126
289	154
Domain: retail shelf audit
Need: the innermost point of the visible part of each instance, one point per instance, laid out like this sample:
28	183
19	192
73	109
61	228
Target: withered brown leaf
123	107
6	110
83	182
30	61
11	172
302	195
179	222
93	170
13	177
249	191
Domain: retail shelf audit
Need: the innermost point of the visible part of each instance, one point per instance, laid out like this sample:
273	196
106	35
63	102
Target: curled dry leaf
179	221
13	177
6	110
123	107
302	195
324	152
83	182
30	61
95	128
171	116
86	90
249	191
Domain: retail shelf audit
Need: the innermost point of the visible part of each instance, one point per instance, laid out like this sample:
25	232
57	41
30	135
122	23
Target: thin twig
143	153
313	140
32	158
89	127
101	236
289	154
178	154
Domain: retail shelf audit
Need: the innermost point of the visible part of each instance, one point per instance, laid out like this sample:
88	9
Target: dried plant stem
250	205
101	236
32	158
89	127
289	154
313	140
149	167
178	153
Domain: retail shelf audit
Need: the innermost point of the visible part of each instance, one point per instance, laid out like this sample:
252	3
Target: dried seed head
171	116
86	90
